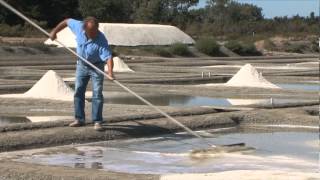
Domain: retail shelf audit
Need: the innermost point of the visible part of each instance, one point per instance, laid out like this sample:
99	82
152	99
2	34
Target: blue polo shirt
94	50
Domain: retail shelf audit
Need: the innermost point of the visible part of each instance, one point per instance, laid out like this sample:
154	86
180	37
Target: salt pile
50	86
119	66
121	34
248	76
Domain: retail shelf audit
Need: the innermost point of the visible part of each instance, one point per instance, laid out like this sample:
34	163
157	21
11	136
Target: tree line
217	18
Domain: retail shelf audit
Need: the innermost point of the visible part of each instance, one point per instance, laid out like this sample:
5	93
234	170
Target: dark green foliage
50	11
163	52
208	46
234	46
6	30
227	18
315	46
106	11
294	48
180	50
243	49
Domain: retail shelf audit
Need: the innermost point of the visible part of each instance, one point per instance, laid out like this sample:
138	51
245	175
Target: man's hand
53	35
111	76
110	69
58	28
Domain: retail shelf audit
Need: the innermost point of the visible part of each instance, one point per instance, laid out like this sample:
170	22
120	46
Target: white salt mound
119	66
248	76
50	86
121	34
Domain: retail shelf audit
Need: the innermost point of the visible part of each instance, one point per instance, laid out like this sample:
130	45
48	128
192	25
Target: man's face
91	30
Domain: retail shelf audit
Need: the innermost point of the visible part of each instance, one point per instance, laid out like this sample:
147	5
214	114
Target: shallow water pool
306	87
190	101
287	151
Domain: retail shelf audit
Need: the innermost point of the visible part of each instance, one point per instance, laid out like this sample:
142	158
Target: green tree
106	10
146	11
50	11
162	11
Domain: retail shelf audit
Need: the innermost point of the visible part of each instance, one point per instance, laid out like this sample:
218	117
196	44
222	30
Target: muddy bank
115	118
24	137
22	171
35	138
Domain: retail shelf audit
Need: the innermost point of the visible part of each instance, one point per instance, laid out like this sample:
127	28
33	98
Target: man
93	46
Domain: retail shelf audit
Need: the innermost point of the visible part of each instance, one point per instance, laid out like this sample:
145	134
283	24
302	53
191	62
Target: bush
208	46
21	30
6	30
180	49
250	50
295	48
244	49
315	46
234	46
161	51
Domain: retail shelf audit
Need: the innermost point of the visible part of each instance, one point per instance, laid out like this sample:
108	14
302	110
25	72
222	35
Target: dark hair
91	19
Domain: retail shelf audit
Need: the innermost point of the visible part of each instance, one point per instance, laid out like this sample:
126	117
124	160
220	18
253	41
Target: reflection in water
306	87
288	151
166	100
48	118
190	101
171	100
244	102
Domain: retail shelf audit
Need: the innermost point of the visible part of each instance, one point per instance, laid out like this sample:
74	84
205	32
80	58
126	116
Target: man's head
91	25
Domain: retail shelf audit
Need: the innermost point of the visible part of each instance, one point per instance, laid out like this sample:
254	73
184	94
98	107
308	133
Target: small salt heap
50	86
119	66
248	76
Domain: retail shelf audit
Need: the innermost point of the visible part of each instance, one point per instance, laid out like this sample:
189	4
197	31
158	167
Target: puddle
287	151
286	67
190	101
306	87
170	100
6	120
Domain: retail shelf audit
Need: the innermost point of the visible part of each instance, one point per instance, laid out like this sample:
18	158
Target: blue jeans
83	75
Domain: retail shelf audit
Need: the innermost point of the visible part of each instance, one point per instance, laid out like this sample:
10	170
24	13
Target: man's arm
110	68
58	28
